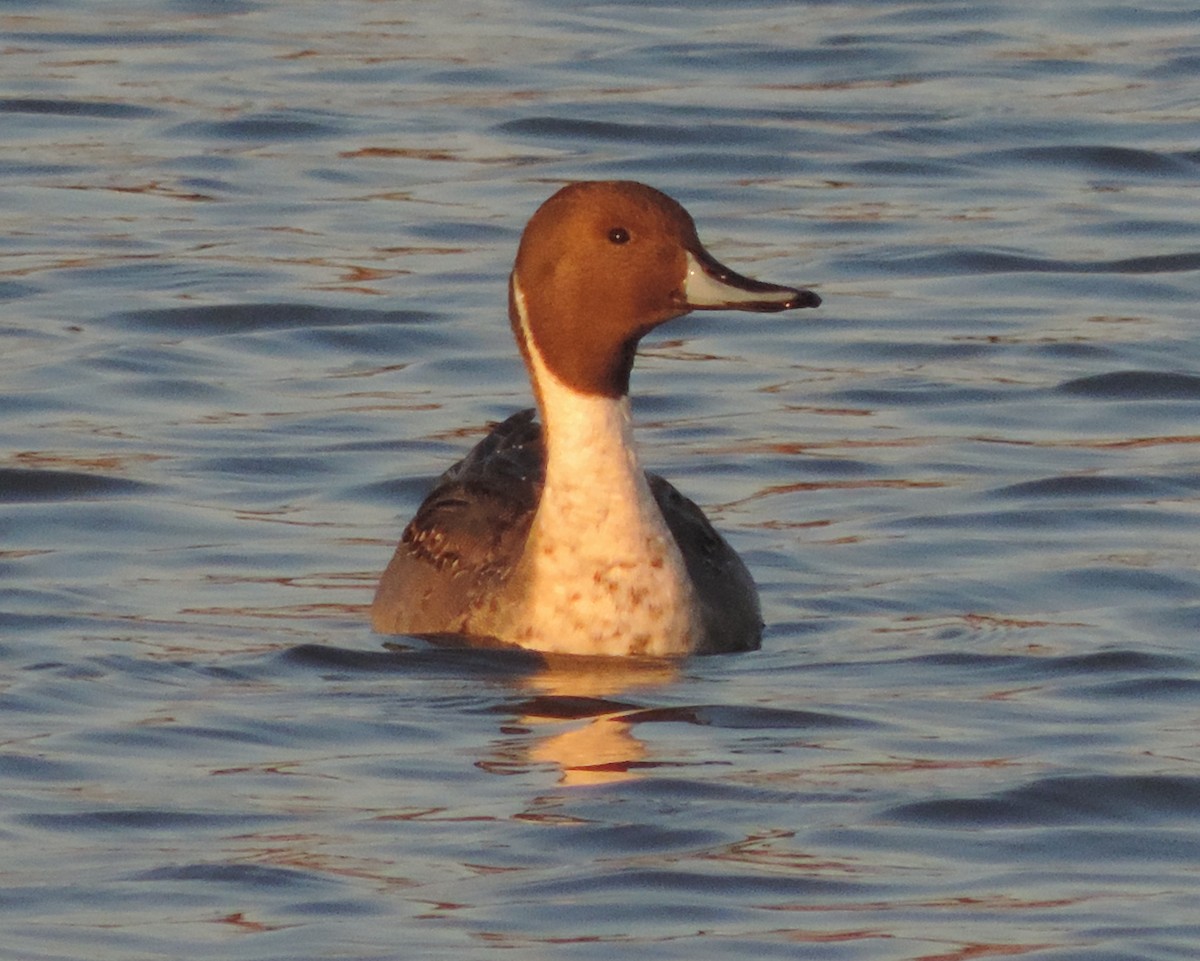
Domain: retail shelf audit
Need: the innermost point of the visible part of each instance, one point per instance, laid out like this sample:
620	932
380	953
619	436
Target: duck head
601	264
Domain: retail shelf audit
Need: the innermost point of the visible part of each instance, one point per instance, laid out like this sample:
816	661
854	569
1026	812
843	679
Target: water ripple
1127	385
19	485
1066	801
76	108
1106	159
254	274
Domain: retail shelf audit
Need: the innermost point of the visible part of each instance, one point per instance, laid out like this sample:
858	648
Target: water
253	266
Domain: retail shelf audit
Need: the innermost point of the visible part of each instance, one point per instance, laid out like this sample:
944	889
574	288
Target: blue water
252	268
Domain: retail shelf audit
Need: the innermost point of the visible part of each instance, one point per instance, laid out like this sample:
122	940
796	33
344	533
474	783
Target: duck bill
710	285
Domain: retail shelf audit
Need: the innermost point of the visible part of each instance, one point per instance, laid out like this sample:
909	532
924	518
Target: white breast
601	573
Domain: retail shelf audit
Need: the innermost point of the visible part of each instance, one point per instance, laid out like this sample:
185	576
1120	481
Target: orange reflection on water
604	750
595	744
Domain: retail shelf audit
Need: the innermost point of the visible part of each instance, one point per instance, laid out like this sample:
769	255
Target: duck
552	537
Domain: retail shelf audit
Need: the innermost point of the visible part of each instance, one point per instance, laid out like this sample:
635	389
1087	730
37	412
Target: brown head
602	263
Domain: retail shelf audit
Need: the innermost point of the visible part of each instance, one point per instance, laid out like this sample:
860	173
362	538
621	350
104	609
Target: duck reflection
578	702
577	713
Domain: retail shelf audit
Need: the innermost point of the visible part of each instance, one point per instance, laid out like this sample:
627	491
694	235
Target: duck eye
618	235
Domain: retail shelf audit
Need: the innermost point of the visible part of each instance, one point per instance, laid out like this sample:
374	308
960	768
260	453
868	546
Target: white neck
590	451
606	576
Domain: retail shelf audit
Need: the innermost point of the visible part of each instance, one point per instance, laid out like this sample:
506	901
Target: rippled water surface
253	267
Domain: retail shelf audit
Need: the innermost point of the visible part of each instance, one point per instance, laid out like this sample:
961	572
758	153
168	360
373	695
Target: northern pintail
554	538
